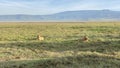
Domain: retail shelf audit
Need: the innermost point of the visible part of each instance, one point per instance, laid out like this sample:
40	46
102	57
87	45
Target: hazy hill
82	15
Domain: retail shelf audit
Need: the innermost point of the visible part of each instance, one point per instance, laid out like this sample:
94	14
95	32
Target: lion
85	38
40	38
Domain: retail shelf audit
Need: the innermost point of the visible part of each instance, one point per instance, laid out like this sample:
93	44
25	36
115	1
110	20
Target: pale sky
41	7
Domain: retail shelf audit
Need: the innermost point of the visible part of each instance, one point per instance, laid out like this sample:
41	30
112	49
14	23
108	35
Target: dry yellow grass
60	45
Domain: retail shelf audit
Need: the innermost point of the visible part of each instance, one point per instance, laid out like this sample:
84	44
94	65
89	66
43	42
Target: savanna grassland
62	46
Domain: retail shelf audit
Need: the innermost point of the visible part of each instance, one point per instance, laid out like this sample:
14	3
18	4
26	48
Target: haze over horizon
44	7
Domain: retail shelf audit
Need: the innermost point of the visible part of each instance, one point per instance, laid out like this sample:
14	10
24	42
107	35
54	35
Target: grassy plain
62	47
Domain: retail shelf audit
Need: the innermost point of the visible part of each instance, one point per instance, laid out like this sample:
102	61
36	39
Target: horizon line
63	11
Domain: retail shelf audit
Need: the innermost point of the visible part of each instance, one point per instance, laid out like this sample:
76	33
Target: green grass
62	47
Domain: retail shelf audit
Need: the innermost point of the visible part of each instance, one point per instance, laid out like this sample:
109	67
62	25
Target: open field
62	46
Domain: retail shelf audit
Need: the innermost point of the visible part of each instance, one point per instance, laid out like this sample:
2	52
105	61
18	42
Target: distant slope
83	15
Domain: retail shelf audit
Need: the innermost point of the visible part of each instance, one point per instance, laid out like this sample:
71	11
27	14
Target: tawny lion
40	38
85	38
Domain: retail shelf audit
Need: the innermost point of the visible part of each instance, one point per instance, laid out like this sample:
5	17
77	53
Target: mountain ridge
81	15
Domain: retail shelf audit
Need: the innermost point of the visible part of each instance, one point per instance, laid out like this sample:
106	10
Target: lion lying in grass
41	38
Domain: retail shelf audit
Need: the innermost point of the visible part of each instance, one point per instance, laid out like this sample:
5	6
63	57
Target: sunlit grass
62	47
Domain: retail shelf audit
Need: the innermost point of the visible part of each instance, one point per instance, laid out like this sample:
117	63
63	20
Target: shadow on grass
71	45
78	61
84	61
